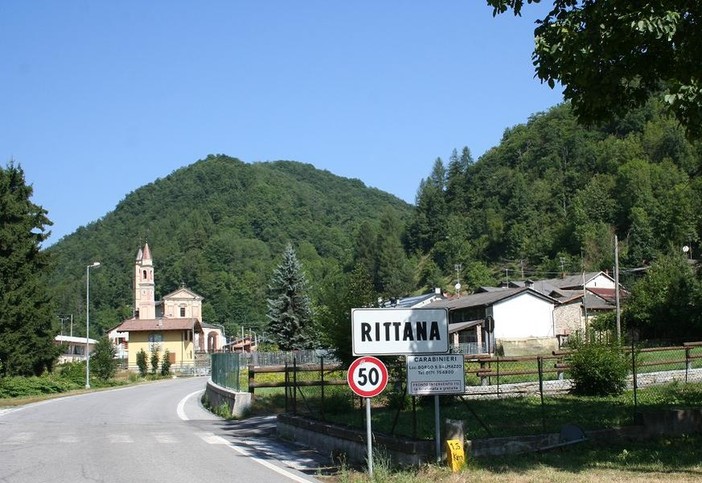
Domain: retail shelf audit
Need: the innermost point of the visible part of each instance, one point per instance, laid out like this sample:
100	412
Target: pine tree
27	325
395	274
289	310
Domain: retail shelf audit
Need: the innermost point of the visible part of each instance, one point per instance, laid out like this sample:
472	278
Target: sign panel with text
399	331
435	374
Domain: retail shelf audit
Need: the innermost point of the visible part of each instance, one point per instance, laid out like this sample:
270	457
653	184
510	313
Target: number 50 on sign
367	376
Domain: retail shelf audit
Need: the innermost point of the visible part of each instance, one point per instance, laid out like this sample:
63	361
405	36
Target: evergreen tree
395	275
289	309
457	178
346	292
27	321
103	362
429	223
141	362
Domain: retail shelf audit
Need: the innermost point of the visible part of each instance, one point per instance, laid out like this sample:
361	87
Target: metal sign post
369	437
367	377
436	374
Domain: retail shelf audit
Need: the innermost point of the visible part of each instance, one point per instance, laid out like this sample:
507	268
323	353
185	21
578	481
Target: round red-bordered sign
367	376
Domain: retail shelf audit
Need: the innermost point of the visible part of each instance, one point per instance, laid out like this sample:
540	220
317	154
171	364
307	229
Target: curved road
155	432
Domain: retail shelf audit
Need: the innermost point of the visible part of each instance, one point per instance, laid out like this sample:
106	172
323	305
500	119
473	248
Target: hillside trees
27	318
345	292
214	226
556	190
667	302
289	309
395	275
611	56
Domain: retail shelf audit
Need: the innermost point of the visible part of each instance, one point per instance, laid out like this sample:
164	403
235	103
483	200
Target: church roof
181	293
147	252
163	323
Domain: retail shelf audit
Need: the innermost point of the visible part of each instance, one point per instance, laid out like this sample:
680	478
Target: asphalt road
156	432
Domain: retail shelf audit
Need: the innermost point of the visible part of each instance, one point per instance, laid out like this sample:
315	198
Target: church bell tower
144	298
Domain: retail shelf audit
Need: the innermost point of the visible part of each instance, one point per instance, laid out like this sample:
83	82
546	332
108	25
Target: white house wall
523	316
601	281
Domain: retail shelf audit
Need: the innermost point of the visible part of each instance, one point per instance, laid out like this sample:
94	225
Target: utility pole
458	268
616	285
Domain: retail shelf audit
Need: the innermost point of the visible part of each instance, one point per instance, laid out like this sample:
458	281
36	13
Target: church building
172	325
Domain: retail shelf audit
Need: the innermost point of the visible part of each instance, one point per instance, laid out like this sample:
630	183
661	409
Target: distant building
173	324
73	348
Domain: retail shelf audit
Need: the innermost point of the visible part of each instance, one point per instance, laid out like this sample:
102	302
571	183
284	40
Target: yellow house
172	325
176	336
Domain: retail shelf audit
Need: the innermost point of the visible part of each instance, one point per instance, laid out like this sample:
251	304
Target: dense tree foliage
333	314
216	226
27	318
612	55
667	303
102	361
290	323
548	199
553	194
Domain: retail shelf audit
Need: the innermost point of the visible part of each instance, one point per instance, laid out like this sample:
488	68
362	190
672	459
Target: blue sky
98	98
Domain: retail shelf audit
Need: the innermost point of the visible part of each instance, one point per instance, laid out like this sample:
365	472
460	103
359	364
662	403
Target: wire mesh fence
226	370
504	396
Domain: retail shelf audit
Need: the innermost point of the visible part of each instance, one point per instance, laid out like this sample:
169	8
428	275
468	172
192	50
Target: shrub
598	368
73	371
166	363
141	362
154	360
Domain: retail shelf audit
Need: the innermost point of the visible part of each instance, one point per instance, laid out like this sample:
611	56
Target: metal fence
504	396
265	359
226	370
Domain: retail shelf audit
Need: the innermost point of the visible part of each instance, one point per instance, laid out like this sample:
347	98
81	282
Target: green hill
218	226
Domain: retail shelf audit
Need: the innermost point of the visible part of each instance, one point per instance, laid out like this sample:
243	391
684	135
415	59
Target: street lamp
87	322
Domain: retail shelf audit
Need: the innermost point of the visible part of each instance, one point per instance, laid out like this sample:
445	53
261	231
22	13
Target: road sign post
367	376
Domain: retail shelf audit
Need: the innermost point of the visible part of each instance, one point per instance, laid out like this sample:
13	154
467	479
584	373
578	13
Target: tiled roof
143	325
484	298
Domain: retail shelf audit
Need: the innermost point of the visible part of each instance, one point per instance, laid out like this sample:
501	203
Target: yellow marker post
456	457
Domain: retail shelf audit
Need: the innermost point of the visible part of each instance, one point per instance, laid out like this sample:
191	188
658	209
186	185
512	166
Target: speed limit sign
367	376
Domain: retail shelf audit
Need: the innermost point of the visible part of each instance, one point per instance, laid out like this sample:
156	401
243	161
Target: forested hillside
552	195
218	226
548	199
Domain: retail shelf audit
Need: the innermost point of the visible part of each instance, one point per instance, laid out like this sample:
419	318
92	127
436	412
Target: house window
155	341
182	311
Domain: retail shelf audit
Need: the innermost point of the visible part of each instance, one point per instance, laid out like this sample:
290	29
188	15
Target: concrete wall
674	422
239	403
345	444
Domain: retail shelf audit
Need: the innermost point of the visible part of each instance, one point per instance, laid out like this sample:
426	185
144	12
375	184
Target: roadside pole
367	377
437	427
369	437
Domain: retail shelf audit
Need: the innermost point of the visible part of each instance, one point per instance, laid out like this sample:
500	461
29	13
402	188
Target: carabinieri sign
399	331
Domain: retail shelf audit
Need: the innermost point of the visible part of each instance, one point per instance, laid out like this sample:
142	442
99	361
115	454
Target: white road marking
165	438
211	438
181	406
68	438
239	449
19	438
119	438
